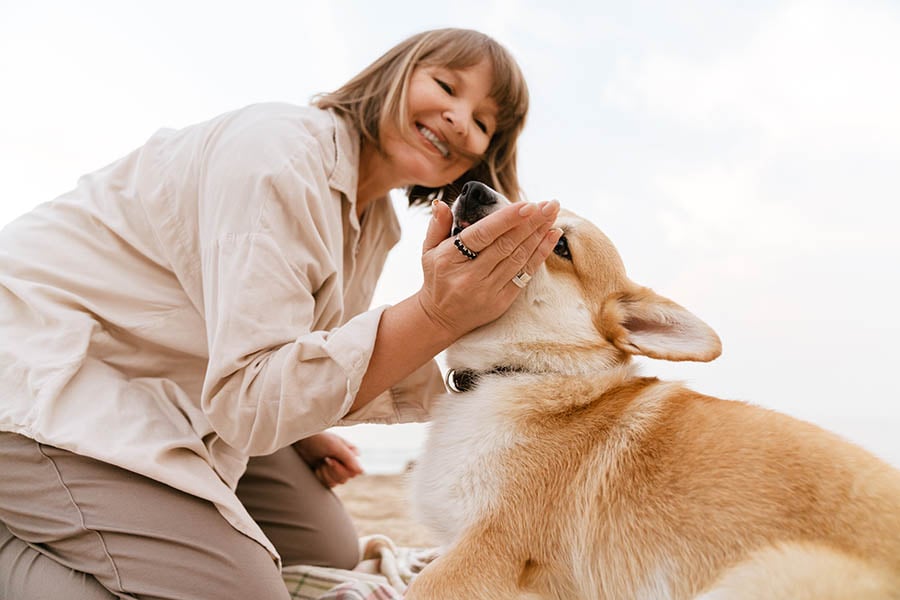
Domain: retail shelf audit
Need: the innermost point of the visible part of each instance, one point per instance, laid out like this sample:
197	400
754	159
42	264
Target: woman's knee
331	542
305	521
338	542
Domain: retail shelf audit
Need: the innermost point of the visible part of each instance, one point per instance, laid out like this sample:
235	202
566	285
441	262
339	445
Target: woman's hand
331	457
459	294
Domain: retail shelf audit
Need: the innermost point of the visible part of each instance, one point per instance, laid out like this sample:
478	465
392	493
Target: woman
179	330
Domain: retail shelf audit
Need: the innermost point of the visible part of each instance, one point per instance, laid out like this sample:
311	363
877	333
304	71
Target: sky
744	157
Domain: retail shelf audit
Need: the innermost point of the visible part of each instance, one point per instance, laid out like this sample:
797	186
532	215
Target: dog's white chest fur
456	479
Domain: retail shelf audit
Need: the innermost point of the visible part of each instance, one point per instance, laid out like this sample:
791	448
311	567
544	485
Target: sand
380	504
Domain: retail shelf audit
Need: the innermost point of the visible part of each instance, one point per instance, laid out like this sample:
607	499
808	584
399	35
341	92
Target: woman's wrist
407	338
438	329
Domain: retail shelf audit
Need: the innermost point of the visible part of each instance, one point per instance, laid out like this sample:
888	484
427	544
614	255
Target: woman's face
449	111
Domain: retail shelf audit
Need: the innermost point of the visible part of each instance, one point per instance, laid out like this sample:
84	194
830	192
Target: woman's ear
645	323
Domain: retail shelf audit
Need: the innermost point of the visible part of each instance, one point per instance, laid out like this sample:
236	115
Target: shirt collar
345	176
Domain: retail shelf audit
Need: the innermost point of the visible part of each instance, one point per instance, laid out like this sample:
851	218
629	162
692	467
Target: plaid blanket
319	583
383	574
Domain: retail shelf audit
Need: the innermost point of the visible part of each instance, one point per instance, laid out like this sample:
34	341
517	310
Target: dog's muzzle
475	202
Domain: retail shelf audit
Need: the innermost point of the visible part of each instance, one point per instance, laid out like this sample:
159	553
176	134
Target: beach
379	503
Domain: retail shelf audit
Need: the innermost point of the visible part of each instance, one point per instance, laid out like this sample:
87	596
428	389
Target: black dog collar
465	380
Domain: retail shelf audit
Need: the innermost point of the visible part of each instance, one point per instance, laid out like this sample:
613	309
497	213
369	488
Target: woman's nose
455	117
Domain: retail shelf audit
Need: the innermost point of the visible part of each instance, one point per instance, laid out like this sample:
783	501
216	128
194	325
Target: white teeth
437	143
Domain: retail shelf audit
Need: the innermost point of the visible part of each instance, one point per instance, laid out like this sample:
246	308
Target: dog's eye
562	248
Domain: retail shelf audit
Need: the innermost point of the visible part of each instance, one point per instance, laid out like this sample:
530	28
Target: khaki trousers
76	528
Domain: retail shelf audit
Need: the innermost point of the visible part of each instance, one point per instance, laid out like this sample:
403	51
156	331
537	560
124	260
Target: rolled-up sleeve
283	364
409	401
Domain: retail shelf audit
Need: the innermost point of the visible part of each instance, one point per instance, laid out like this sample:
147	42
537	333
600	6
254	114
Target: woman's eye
446	87
481	126
562	248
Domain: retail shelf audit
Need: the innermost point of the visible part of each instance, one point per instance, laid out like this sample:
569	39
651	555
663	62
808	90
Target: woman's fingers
333	459
438	226
534	262
512	250
339	471
345	455
484	233
332	472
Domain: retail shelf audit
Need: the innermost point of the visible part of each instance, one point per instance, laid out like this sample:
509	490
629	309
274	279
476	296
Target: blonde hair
377	96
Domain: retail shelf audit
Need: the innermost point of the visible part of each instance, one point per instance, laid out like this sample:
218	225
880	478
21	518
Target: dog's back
647	489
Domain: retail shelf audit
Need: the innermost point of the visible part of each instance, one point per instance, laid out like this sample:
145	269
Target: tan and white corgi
558	471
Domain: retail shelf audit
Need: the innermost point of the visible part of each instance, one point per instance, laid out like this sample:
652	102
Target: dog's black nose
475	193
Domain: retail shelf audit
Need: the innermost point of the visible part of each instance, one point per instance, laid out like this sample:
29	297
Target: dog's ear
643	322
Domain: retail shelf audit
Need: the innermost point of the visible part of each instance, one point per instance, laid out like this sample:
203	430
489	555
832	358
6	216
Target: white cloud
86	83
815	70
791	140
714	206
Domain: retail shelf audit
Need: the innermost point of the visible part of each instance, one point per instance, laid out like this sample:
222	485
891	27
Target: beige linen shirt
203	300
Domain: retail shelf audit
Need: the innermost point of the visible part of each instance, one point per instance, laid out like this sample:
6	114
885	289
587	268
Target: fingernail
549	208
527	209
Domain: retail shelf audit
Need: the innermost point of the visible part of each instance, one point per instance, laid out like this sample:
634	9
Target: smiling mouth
429	135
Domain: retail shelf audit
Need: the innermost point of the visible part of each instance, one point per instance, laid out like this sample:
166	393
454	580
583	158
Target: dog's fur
572	476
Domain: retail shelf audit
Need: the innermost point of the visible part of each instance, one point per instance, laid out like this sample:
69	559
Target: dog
556	470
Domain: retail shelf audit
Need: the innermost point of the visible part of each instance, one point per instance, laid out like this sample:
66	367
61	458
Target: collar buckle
459	381
464	380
